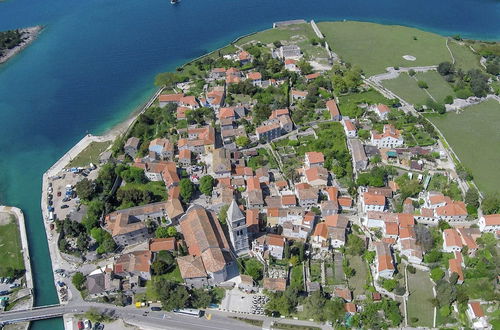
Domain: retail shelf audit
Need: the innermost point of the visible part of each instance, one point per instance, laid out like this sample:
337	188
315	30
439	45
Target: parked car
80	325
64	206
100	327
87	324
155	309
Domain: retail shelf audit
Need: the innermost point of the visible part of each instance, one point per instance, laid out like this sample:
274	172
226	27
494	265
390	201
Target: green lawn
89	154
474	136
299	34
420	287
438	87
370	97
375	47
406	88
464	57
294	33
297	278
358	281
10	247
315	270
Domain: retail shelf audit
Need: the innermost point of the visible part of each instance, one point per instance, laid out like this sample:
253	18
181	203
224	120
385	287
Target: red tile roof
332	107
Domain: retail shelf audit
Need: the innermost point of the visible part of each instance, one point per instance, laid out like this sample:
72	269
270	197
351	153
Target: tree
314	306
448	99
133	175
159	267
78	281
389	285
161	232
85	189
252	267
422	84
411	72
223	214
305	67
200	298
491	204
98	234
172	295
437	274
355	245
493	67
472	197
207	185
186	189
445	68
171	231
107	246
242	141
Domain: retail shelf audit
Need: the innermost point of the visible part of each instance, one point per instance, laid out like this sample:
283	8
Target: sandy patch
5	218
409	57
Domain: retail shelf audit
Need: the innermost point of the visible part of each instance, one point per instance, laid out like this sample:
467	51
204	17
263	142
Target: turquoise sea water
96	59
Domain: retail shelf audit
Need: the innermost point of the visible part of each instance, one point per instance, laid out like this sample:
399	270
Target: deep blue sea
95	62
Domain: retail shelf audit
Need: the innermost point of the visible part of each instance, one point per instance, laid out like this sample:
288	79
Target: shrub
422	84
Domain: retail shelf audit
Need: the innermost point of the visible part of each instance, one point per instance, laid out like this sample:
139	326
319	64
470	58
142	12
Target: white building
390	138
489	223
373	202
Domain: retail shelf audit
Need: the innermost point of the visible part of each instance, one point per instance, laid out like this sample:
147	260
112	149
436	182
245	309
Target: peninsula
305	176
14	41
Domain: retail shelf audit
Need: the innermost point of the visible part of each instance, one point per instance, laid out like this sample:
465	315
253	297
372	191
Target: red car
80	325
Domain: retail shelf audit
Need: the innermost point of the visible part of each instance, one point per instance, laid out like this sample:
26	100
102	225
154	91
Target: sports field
406	87
375	47
475	137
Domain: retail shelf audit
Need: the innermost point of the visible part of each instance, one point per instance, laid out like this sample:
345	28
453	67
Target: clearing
474	136
358	281
89	154
10	246
406	87
420	287
297	34
385	44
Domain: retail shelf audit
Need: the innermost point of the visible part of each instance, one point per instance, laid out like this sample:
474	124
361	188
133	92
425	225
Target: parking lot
240	302
64	205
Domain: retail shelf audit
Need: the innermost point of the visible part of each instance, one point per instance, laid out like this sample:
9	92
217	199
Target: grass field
10	245
358	281
420	287
299	34
406	87
370	97
474	136
375	47
438	87
464	57
89	154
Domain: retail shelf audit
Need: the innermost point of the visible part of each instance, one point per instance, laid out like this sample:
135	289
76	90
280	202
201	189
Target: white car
87	324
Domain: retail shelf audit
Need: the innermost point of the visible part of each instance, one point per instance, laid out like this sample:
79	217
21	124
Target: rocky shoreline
30	34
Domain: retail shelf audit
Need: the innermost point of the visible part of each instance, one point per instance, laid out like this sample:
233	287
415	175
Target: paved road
161	320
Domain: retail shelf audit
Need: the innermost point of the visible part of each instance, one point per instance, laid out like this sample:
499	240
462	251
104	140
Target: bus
189	312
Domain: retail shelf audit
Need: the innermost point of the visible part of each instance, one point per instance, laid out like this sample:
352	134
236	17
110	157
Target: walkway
24	242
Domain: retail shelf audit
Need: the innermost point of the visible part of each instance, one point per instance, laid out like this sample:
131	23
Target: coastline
25	250
57	259
32	33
